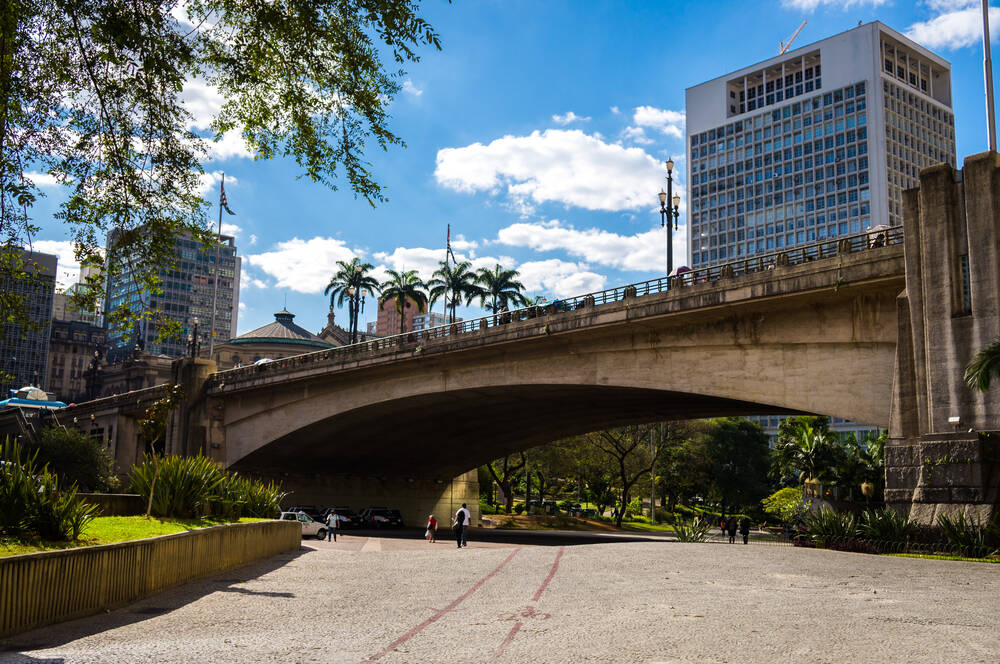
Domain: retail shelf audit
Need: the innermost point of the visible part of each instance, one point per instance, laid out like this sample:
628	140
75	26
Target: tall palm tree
806	451
403	287
500	288
986	363
454	282
352	282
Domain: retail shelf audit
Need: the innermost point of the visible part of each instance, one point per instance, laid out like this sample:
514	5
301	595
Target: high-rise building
186	298
24	348
817	143
76	349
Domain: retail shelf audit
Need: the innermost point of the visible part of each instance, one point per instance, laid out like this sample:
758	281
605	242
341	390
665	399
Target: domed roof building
282	338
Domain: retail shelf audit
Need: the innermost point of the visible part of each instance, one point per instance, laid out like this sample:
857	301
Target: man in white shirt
463	518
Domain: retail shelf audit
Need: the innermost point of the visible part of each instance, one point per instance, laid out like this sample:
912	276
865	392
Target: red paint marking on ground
506	642
437	616
552	572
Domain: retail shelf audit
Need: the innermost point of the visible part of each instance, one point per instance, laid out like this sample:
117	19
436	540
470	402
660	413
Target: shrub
519	508
785	504
826	526
184	486
971	539
886	526
31	502
76	458
258	499
696	531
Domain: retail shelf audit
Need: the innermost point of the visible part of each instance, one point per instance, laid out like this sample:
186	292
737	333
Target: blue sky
539	133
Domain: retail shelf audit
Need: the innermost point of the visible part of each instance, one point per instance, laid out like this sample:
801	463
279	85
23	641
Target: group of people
732	524
460	526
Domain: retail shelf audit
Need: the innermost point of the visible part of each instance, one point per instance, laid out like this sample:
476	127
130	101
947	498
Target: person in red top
432	526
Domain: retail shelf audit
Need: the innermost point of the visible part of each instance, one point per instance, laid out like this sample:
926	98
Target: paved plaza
540	598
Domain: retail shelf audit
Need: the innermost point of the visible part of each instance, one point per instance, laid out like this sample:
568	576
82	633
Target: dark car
380	517
347	518
313	511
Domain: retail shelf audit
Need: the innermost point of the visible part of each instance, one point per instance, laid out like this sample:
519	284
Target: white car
310	527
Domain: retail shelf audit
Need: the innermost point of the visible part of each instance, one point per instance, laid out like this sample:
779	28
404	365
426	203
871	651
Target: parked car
310	527
345	516
314	512
381	517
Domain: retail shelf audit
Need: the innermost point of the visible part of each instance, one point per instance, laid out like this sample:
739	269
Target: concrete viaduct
877	334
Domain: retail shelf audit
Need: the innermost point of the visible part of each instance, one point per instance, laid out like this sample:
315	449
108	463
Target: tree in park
153	427
92	98
404	288
683	466
500	288
738	450
803	447
75	457
351	280
505	473
628	451
454	282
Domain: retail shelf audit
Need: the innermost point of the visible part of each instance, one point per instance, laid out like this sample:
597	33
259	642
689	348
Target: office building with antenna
814	144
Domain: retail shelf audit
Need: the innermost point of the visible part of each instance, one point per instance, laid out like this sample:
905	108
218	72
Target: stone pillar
187	433
942	455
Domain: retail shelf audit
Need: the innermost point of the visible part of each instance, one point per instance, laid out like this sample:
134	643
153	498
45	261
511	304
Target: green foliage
696	531
738	450
519	508
969	538
785	504
76	458
31	501
454	282
827	526
884	525
255	498
351	282
634	508
184	486
980	371
404	289
500	288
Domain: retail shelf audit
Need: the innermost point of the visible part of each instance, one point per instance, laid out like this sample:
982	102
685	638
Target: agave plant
827	526
696	531
886	526
972	539
184	486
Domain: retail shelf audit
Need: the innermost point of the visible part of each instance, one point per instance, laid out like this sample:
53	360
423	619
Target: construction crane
785	45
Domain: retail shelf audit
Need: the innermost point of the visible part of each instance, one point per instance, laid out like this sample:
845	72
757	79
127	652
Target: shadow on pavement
514	536
49	636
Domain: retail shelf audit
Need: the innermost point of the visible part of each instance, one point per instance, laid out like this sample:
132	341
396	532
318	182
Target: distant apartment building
839	427
388	319
64	309
187	296
430	319
76	349
24	348
814	144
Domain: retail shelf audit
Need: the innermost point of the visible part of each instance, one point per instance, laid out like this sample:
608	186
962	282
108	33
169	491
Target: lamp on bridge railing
669	213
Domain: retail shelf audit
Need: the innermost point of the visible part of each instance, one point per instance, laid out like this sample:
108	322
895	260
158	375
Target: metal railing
751	265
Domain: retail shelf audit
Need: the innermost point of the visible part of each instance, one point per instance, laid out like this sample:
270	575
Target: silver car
310	527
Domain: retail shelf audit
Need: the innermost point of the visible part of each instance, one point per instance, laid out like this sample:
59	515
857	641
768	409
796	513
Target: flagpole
215	286
988	75
447	252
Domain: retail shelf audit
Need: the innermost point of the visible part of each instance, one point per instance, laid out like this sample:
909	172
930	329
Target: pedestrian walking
432	529
731	527
332	525
745	529
722	525
462	520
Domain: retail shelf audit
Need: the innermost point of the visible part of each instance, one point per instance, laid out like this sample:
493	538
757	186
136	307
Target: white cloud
253	240
615	110
242	306
425	261
230	145
669	122
231	229
248	281
208	181
644	252
812	5
67	267
569	118
954	29
410	89
459	243
42	179
563	166
559	278
304	266
636	135
202	101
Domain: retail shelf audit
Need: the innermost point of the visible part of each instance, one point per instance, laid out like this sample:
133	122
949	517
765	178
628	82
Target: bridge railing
871	239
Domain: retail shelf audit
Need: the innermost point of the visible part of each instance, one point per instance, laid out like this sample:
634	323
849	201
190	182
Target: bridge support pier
943	454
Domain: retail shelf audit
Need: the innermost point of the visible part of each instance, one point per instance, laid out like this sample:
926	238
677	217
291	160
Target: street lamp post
668	214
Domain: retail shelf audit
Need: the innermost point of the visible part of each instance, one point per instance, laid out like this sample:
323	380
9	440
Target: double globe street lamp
668	214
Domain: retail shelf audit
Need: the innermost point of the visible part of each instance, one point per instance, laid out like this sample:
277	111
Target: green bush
969	538
827	526
184	487
519	508
785	504
885	525
696	531
257	499
76	458
31	502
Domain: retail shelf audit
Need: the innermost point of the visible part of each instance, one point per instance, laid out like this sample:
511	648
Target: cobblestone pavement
544	598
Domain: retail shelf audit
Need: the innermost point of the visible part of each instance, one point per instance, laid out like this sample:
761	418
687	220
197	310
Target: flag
222	199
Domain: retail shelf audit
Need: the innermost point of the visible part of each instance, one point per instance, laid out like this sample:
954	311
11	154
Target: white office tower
814	144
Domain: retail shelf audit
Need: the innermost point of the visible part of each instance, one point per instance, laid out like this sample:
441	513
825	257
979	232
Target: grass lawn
993	559
110	529
646	527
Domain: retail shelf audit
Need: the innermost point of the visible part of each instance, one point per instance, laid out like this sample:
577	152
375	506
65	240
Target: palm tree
403	287
983	366
501	288
352	282
456	283
805	451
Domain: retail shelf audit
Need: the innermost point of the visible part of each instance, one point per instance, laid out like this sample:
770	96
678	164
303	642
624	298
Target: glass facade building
812	145
24	349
